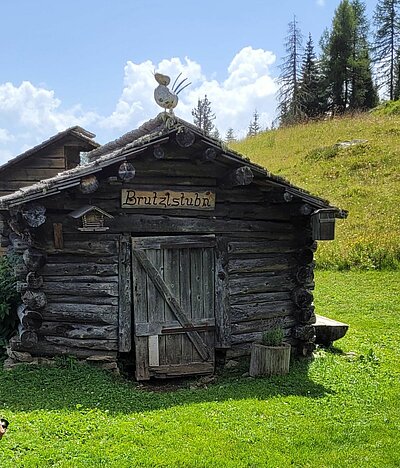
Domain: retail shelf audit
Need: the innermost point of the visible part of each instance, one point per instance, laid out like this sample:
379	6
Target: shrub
8	300
273	336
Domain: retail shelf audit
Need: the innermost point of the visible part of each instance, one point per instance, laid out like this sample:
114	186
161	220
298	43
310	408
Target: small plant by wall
8	301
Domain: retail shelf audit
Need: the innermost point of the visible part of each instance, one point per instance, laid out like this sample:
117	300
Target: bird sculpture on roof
164	97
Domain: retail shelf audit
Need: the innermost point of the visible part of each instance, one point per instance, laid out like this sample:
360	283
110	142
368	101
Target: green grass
363	179
338	410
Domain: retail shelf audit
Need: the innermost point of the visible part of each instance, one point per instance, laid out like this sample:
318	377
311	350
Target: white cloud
248	86
29	114
321	3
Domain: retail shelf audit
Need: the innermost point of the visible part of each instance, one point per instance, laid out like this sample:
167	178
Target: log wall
263	255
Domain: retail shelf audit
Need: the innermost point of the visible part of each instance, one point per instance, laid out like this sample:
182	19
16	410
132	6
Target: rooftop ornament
164	97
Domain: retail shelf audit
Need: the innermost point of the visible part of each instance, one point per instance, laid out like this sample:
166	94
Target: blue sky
90	62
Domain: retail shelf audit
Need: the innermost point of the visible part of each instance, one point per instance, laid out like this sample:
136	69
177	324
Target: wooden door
173	305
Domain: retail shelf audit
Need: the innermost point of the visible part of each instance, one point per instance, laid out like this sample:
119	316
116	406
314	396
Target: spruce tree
230	135
311	92
386	43
254	126
203	116
338	56
289	97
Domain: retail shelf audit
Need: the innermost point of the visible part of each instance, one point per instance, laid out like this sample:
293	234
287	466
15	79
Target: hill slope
363	179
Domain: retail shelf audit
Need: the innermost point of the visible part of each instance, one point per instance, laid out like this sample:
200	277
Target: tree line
355	63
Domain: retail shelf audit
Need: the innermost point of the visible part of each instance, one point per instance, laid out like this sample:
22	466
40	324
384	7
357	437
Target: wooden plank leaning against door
163	288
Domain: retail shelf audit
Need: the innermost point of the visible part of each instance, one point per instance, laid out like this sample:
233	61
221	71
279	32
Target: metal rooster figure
168	99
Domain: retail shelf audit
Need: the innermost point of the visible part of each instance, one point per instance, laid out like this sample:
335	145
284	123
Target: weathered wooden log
20	270
305	257
19	244
266	263
28	338
34	300
34	214
30	319
266	297
302	297
185	137
75	249
78	330
107	344
126	171
61	298
305	274
269	360
240	176
260	247
16	225
260	283
34	259
305	349
261	310
21	286
210	154
33	281
158	152
82	289
81	312
89	184
305	209
4	241
45	348
262	324
306	315
79	269
304	333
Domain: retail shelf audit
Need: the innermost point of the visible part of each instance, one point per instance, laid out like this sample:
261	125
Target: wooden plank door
173	305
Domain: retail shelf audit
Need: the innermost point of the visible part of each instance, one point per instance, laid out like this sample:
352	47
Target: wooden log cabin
164	249
57	154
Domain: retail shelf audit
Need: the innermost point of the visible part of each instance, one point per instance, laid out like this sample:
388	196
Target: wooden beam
222	308
125	298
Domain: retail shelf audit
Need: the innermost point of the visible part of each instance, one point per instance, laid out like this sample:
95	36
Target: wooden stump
269	360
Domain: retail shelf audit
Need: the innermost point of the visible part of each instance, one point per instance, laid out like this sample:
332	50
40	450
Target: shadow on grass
83	387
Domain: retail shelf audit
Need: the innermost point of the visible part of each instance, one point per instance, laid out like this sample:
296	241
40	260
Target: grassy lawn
339	410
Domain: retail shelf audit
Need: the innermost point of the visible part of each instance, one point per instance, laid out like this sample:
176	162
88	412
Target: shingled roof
76	131
152	132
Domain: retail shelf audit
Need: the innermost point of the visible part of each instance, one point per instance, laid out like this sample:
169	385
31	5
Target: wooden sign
167	199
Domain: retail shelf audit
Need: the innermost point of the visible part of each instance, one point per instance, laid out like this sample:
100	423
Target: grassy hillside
363	179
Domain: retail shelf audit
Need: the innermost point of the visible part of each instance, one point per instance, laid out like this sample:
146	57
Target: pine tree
203	116
254	126
311	91
387	42
230	135
290	104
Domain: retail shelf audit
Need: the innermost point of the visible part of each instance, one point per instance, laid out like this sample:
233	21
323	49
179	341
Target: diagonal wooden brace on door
170	299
